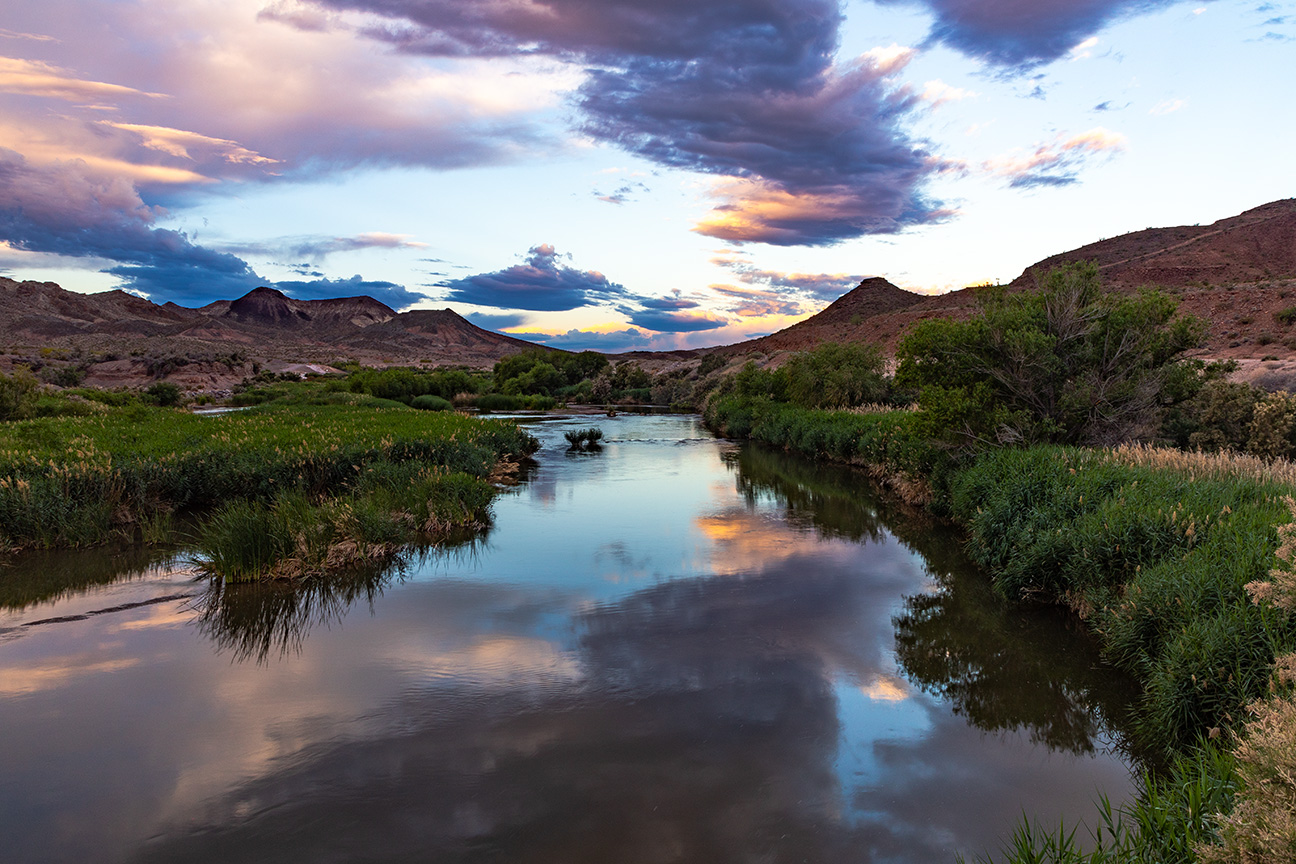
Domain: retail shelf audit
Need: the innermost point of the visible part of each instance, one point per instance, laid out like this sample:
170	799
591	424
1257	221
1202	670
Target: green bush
1286	316
1065	363
164	394
711	363
18	393
431	403
584	439
544	372
836	376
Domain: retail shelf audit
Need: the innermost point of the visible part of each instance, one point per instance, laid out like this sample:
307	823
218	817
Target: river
675	649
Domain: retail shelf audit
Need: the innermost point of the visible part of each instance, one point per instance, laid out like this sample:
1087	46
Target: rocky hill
120	339
1254	246
852	317
1238	274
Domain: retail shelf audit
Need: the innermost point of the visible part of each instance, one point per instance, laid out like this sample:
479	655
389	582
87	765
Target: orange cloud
33	78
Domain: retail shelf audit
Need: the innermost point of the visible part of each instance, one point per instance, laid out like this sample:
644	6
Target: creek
673	649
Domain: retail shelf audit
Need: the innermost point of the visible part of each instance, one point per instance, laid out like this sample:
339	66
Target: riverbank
125	474
1154	552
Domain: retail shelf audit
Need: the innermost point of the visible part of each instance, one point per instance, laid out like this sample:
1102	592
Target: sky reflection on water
672	650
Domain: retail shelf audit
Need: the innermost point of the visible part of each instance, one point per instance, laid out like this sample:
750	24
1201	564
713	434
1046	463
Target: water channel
675	649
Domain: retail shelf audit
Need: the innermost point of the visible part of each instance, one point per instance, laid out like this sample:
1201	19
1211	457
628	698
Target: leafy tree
541	371
164	393
836	376
1064	363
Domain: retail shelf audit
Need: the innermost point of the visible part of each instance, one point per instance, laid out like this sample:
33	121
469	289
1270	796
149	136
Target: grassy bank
76	481
1160	552
887	444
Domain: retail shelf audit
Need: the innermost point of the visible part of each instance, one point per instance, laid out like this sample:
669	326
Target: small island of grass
282	489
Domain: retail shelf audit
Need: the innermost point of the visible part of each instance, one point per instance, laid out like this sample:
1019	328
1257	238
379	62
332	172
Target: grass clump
295	535
431	403
584	439
1170	818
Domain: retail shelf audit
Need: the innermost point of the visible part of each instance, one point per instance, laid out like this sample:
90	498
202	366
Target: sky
621	174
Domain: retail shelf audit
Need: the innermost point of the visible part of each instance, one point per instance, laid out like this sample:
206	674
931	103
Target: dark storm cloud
541	284
495	322
736	88
60	210
63	211
674	322
390	293
1018	35
668	304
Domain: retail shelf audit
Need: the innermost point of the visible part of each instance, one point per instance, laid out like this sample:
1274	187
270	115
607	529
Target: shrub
1065	363
164	393
18	394
836	376
711	363
1262	827
584	439
431	403
1286	316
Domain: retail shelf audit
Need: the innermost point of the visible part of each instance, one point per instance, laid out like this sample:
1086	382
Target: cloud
674	322
1057	162
821	286
628	339
390	293
757	302
315	249
1167	106
937	92
668	304
34	78
1083	50
622	194
541	284
65	210
490	321
179	143
1020	35
747	90
34	37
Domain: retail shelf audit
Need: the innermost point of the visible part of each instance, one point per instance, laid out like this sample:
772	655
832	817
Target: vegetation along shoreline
1019	434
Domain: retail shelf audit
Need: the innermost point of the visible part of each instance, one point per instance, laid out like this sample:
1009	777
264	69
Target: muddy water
672	650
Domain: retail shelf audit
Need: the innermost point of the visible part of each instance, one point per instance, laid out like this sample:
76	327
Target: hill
119	339
1237	274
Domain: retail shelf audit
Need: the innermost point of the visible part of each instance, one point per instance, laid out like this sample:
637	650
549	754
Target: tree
1065	363
834	375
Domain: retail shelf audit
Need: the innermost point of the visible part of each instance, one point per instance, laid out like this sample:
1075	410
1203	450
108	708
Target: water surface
672	650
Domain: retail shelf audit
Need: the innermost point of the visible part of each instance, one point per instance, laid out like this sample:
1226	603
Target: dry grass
1280	588
876	408
1206	466
1262	827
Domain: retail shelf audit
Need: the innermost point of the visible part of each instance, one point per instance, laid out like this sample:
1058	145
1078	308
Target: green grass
76	481
887	443
293	535
1155	561
1171	818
